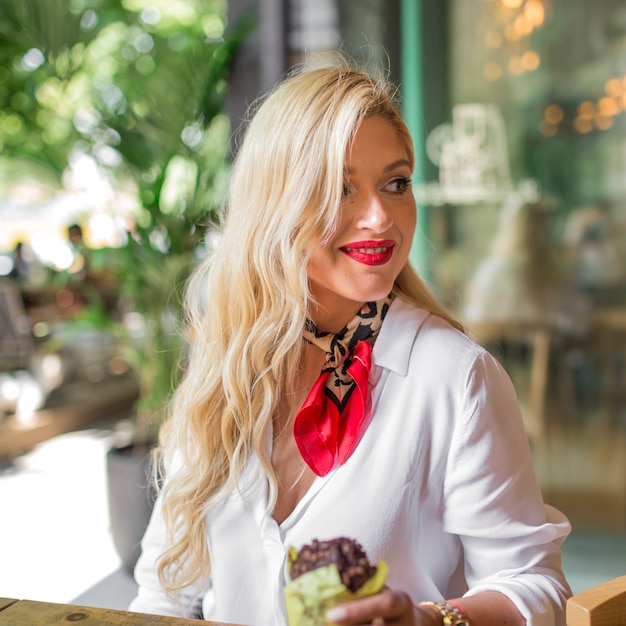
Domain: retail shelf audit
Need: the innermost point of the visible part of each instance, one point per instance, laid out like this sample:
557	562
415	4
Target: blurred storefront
526	223
518	111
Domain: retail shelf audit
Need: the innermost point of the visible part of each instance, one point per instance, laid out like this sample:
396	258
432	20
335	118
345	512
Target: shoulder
437	369
426	356
411	336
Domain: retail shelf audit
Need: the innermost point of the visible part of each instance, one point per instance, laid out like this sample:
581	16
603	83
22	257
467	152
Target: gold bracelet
451	614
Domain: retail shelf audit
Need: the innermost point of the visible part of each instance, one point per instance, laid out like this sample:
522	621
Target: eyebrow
398	163
387	168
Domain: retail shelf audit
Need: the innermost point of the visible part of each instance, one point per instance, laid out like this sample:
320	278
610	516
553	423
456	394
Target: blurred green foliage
139	86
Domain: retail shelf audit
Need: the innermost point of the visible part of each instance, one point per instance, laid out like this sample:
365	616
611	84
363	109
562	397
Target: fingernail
336	614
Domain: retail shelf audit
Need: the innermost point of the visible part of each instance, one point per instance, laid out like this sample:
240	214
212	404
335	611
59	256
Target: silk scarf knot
327	426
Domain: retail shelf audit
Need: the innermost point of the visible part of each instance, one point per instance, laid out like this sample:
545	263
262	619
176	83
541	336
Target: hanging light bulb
535	12
587	110
614	87
609	107
554	114
523	25
531	60
603	122
583	125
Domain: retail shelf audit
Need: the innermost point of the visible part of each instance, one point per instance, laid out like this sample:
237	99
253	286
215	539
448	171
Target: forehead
377	140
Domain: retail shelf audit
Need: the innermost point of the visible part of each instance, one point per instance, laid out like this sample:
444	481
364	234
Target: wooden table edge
44	613
5	603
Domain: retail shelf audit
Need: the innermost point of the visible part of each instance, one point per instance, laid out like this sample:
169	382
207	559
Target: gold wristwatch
450	614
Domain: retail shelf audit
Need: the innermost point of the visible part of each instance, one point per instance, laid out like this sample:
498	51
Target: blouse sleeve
493	502
151	597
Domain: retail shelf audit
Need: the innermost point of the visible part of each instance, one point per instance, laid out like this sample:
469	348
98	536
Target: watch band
451	614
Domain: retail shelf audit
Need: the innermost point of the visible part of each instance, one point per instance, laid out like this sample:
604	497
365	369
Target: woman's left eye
398	185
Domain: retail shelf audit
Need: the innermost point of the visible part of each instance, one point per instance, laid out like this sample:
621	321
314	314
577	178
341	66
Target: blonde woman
328	394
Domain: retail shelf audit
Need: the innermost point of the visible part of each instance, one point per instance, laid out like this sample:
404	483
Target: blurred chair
608	325
602	605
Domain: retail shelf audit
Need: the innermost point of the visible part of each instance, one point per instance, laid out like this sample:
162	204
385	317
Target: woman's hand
487	608
387	607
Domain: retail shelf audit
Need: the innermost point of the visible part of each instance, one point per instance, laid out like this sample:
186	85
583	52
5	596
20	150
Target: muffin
327	573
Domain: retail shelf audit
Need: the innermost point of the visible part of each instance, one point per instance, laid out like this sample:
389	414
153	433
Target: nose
373	214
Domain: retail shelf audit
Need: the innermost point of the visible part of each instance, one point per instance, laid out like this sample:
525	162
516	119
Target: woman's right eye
346	190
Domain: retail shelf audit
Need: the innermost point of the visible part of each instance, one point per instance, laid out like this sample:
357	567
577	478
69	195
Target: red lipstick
370	252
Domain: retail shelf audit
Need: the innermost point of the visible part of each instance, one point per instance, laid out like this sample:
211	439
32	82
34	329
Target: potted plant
138	88
172	140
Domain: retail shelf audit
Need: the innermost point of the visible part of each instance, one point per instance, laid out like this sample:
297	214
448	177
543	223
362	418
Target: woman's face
373	238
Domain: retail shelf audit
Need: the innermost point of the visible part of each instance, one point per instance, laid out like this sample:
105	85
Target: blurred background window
525	197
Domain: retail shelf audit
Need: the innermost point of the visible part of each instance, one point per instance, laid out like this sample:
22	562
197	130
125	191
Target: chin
370	295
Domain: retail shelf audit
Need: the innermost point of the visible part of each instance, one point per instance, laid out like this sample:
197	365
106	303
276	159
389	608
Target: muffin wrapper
311	595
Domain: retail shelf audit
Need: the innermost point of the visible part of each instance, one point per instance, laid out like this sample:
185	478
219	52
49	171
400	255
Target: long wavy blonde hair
247	304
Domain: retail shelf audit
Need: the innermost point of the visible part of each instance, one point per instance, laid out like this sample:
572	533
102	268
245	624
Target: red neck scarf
327	425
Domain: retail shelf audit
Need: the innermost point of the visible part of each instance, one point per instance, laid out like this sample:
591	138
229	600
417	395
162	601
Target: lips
370	252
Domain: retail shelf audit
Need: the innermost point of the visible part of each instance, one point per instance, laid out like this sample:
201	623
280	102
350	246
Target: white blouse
441	486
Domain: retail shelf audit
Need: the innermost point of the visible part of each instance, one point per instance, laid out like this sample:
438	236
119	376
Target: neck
332	321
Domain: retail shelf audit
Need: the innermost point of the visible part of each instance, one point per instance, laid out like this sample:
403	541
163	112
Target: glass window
527	218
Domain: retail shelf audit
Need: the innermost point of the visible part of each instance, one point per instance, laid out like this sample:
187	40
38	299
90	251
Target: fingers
388	607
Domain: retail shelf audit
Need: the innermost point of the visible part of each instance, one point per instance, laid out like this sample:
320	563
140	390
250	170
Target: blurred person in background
591	241
526	278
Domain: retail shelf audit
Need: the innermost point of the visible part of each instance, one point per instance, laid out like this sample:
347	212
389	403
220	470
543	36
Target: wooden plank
602	605
48	614
6	602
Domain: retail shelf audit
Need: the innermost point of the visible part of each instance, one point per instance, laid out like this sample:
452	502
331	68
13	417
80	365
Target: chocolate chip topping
347	554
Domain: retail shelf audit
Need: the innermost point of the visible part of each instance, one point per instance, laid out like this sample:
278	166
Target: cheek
407	223
319	262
